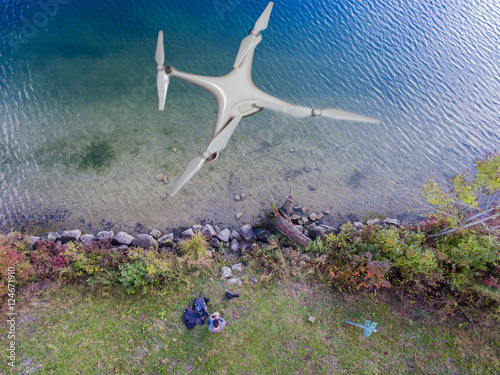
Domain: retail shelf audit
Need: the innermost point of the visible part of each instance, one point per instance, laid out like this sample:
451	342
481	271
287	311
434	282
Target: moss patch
99	154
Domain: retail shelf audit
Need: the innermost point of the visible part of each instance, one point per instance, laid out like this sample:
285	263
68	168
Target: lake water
81	139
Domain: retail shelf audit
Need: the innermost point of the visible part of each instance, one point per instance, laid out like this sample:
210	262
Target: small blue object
368	329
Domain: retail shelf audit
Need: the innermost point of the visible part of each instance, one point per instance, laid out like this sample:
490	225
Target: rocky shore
234	242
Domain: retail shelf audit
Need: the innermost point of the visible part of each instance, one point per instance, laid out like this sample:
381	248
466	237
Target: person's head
216	324
216	315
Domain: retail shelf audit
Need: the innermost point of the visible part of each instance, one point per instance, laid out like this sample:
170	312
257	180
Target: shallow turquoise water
81	140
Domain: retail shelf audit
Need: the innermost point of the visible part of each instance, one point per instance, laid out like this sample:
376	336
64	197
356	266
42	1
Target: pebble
165	179
312	187
237	197
174	149
308	168
239	215
159	177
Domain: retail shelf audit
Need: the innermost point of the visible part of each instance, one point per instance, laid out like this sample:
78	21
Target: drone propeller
217	144
248	42
301	112
162	78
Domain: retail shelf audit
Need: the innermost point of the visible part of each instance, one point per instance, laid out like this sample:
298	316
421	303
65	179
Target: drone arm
217	144
281	106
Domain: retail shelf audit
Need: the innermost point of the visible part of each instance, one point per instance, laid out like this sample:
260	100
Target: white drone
237	97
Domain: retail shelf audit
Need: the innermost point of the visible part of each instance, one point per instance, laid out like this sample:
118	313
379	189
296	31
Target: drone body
236	96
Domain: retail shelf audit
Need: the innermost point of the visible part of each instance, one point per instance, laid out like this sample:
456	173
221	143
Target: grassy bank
75	329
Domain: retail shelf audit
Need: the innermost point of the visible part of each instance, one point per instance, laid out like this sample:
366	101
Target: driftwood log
280	219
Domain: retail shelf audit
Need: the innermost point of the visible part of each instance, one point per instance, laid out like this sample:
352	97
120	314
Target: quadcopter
237	97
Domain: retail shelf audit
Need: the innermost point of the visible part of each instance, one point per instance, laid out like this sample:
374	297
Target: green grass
77	330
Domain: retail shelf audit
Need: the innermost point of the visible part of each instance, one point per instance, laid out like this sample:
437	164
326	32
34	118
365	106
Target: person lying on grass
216	323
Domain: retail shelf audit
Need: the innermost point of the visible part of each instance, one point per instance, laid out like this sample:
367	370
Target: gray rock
254	280
235	235
295	218
317	231
226	272
70	235
238	267
208	230
262	234
376	221
87	238
245	246
329	229
234	281
358	224
121	248
223	235
166	240
286	250
145	241
235	246
197	228
312	187
53	236
123	238
390	221
215	243
105	235
247	233
188	233
155	233
34	240
313	216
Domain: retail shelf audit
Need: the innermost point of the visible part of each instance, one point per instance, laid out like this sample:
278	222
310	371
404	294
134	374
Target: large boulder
224	235
70	235
247	233
166	240
208	230
123	238
146	241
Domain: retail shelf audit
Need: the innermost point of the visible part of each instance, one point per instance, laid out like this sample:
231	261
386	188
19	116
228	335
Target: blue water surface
82	142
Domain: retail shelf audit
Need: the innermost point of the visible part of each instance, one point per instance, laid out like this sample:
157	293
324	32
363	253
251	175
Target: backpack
197	313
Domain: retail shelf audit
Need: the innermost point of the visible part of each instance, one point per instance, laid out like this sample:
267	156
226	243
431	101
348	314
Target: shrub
468	258
194	248
469	200
13	257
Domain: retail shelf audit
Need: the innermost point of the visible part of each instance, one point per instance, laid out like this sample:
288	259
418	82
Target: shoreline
235	239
